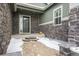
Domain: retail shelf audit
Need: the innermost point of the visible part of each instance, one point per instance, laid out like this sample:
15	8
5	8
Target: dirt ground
34	48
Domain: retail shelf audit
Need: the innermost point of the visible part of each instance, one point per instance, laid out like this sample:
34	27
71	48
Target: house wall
34	22
48	14
15	23
55	32
5	27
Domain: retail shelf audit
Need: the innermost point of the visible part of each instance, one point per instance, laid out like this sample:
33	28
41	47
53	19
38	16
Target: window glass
56	13
59	20
60	12
56	20
57	16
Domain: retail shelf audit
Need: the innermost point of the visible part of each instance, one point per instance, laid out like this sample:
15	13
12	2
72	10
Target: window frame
58	16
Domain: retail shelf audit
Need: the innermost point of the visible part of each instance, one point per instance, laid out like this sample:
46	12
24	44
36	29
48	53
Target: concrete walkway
14	48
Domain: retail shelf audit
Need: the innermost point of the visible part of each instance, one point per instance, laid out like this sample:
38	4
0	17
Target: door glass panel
25	24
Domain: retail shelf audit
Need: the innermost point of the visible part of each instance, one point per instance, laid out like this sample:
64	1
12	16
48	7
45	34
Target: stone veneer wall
5	27
34	24
15	23
56	32
73	34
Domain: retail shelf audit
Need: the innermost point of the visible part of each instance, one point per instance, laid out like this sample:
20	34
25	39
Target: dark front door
25	24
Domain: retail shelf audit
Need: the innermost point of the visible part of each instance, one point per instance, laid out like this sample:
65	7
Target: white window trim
20	16
46	23
61	15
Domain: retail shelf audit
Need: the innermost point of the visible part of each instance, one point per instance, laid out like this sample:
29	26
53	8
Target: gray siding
48	15
65	9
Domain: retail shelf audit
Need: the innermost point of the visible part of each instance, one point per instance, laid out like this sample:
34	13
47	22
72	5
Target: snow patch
49	43
15	45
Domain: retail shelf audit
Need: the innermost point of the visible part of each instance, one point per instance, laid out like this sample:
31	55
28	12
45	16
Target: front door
24	24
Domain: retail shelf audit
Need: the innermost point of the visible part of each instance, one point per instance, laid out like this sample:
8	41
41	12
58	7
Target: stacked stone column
73	34
5	27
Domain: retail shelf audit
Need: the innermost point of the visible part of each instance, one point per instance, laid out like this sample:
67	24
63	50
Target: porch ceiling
24	11
31	7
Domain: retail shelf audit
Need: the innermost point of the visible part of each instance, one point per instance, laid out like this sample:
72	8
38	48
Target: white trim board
46	23
34	6
65	18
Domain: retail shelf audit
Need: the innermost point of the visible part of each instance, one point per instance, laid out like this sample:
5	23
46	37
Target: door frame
21	29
